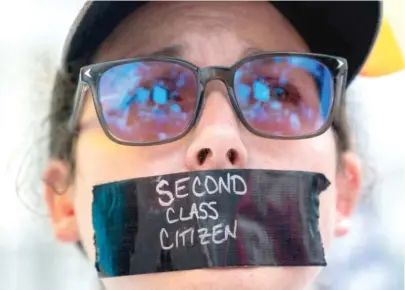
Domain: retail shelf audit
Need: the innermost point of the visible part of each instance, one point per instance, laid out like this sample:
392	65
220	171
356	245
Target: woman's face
212	34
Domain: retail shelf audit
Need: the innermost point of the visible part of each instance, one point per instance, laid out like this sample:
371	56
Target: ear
348	190
59	200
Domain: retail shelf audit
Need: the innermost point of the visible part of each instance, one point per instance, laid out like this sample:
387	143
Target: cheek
314	154
259	278
327	213
99	160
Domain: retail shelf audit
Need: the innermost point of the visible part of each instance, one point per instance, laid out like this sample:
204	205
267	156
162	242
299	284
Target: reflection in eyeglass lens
154	101
284	96
148	101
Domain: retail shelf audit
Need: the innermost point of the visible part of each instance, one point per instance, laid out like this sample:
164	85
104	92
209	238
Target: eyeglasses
155	100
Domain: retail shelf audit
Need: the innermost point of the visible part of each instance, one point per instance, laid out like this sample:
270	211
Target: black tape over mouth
208	219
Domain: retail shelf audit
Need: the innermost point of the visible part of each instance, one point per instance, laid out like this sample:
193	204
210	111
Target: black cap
342	28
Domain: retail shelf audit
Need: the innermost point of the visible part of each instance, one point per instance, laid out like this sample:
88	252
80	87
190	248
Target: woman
152	100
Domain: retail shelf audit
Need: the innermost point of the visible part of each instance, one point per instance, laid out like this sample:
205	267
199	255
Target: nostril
202	155
230	158
232	155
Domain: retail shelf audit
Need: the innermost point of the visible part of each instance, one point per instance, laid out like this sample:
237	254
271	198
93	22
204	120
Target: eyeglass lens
150	101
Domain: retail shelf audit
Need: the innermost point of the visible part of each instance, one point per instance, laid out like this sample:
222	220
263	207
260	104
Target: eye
159	94
280	93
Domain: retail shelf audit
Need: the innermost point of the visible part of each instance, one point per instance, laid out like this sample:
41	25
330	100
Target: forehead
194	26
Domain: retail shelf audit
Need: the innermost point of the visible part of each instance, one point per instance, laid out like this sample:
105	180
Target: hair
61	139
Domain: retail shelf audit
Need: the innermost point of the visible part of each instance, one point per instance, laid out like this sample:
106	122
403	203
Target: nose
216	141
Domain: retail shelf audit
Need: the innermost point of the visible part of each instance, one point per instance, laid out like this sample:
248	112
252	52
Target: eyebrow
250	51
176	51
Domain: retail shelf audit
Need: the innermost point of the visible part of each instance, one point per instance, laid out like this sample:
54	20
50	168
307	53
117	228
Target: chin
241	278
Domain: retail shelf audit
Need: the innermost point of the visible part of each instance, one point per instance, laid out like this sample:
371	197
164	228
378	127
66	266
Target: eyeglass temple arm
78	104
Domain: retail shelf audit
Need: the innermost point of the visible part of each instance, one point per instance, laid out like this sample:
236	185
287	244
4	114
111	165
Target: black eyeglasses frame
89	77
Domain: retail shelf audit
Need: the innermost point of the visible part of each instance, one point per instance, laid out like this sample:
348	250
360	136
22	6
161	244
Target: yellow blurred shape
386	56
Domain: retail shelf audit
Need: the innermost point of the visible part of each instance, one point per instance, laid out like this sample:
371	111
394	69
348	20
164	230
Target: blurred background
31	36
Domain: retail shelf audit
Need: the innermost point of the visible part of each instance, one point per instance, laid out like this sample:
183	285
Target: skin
214	34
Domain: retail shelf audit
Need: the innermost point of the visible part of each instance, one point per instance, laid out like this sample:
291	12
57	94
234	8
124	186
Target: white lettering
224	184
232	184
217	229
185	237
203	212
243	184
160	184
183	234
170	221
177	239
195	192
203	233
210	205
181	215
162	245
229	233
180	187
193	211
215	185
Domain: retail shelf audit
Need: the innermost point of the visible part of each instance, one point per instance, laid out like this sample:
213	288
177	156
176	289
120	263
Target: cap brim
342	28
